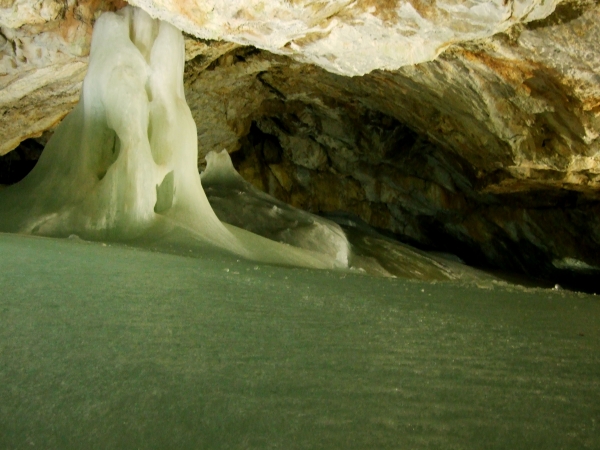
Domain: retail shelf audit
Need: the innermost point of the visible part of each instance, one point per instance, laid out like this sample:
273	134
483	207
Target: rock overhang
348	37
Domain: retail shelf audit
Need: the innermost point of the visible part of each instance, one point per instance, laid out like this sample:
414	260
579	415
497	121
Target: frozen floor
119	348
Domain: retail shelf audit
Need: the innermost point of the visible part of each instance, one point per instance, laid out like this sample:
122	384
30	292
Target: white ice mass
122	166
239	203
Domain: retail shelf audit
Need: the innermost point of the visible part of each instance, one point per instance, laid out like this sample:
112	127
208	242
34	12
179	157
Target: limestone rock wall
303	138
44	49
491	151
43	59
349	37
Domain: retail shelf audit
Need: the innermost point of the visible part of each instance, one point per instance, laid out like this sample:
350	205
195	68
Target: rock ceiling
348	37
471	127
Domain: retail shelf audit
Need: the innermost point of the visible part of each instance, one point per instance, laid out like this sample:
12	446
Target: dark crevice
261	77
565	12
15	165
165	193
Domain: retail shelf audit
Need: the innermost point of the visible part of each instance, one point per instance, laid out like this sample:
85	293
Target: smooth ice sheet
104	347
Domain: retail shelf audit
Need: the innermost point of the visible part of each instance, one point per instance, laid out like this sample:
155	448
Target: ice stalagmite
237	202
123	164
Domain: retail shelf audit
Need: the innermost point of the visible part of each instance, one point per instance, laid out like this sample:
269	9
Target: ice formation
237	202
122	166
350	240
379	255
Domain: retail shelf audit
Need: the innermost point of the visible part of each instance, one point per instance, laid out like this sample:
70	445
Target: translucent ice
127	151
237	202
123	164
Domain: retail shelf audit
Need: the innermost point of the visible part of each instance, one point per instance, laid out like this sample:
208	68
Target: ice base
237	202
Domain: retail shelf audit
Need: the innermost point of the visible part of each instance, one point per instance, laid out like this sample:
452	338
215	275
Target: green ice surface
118	348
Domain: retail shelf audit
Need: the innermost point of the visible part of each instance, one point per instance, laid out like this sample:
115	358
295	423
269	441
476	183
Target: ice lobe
123	165
126	150
346	238
237	202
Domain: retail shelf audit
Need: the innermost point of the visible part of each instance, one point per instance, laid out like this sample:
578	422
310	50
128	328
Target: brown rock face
491	151
43	50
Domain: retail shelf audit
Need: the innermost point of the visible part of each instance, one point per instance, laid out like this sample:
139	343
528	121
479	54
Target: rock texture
490	152
485	143
44	49
349	37
327	143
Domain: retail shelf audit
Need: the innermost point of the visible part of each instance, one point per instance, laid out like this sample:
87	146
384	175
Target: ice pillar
126	156
122	166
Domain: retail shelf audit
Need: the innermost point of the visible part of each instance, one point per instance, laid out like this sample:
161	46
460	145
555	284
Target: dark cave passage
15	165
425	197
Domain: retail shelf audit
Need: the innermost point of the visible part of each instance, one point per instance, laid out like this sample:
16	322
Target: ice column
122	166
127	154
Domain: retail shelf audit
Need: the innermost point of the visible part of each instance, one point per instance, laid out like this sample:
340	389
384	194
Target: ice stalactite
122	166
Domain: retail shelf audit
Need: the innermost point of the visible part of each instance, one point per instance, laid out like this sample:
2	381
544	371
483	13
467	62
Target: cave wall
44	52
491	150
